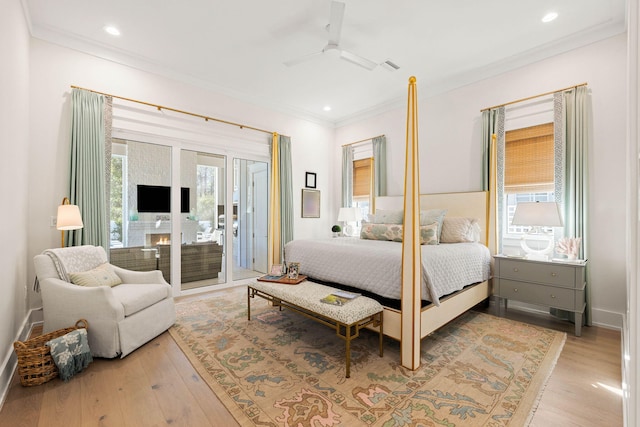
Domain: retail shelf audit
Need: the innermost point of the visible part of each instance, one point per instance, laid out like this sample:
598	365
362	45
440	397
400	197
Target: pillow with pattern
393	233
102	275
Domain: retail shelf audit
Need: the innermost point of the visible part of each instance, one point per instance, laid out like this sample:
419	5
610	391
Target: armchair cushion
136	297
102	275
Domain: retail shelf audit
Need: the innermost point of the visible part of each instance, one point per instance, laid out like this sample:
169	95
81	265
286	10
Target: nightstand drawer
548	273
539	294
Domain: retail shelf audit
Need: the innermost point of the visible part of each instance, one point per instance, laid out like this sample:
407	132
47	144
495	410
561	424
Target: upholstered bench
304	298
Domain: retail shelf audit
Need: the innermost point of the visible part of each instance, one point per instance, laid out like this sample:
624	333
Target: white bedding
374	265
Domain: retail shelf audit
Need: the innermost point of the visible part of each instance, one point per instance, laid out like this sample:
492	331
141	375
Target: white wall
14	182
450	148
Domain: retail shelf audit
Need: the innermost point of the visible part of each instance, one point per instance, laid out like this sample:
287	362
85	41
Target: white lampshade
69	218
347	214
537	214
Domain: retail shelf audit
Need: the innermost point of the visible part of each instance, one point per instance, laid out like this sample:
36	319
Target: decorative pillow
386	216
429	234
102	275
460	230
391	232
431	216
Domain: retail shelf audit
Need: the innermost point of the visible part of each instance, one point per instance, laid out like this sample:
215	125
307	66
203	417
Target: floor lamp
69	218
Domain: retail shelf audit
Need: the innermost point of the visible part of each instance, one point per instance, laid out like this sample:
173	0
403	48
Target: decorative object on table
310	203
69	218
569	246
293	269
35	364
451	384
276	270
284	279
537	215
310	180
70	353
336	230
347	215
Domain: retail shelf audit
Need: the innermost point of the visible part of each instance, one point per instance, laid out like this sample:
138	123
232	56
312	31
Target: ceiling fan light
549	17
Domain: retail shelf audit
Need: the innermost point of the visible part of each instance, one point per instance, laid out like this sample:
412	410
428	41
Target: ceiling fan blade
335	22
358	60
301	59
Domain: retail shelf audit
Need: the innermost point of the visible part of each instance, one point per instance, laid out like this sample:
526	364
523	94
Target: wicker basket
35	364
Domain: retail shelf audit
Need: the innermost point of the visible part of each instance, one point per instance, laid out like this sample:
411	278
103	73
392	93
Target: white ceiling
238	47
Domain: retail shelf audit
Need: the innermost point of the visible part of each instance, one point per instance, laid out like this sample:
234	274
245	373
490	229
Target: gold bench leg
348	354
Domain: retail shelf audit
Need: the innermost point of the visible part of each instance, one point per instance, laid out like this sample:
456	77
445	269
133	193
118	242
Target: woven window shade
529	160
362	177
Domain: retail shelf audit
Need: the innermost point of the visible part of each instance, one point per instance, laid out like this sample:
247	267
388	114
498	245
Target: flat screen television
157	199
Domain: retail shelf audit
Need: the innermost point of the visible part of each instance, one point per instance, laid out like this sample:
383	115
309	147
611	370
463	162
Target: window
528	173
362	184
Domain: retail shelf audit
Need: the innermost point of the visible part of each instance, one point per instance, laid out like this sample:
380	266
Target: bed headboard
473	204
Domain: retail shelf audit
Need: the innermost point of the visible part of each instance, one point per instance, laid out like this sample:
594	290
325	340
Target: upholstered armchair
124	308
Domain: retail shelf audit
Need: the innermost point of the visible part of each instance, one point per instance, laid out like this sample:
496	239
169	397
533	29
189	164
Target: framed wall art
310	203
310	180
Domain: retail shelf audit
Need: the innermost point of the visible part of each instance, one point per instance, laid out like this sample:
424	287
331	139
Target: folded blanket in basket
71	353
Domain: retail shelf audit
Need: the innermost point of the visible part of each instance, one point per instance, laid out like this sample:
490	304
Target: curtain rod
534	96
161	107
362	140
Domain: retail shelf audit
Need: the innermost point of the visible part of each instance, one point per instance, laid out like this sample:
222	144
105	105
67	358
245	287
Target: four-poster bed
318	257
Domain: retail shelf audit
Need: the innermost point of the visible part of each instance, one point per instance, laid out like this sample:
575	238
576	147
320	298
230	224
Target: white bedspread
375	265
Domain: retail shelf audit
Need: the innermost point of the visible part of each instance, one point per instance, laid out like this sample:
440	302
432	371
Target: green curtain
347	176
571	108
286	191
88	187
493	123
379	166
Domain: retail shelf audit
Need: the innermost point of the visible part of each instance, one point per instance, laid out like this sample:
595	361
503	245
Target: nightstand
552	284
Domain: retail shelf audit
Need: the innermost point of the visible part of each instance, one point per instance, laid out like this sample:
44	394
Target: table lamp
537	215
347	215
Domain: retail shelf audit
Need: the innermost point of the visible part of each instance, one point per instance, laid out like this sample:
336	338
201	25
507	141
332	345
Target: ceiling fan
333	44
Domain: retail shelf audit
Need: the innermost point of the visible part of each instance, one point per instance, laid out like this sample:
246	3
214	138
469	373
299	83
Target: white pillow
460	230
102	275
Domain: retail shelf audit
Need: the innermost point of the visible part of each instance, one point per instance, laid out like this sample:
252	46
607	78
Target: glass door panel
250	227
140	209
202	254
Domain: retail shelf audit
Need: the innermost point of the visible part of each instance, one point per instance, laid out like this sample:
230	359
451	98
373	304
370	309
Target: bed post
411	251
274	243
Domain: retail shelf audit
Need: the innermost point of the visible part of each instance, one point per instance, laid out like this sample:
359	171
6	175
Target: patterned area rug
282	369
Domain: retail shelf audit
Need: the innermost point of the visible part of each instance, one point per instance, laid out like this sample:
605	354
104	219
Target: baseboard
10	362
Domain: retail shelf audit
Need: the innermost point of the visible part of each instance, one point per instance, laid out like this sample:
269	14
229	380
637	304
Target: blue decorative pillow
387	216
431	216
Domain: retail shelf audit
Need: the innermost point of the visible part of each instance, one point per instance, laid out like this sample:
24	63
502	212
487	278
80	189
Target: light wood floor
156	385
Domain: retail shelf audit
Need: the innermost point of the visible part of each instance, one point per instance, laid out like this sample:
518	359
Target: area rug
283	369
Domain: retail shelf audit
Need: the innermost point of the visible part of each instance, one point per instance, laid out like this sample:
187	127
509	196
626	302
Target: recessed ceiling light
549	17
112	30
327	108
